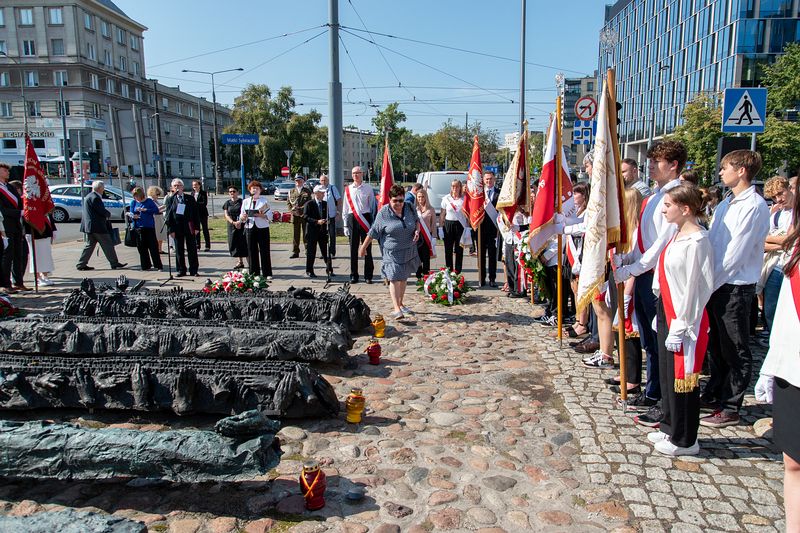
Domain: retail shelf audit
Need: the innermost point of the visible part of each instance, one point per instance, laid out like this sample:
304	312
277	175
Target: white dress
44	255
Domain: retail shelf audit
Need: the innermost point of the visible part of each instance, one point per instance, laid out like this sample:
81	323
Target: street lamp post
217	178
200	128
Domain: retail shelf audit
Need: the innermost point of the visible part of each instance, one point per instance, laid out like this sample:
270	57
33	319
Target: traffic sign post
285	172
241	139
586	108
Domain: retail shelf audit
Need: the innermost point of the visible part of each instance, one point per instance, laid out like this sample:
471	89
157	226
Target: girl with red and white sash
779	382
426	245
683	283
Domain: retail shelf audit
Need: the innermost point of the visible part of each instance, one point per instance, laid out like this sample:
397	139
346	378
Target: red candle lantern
313	485
374	352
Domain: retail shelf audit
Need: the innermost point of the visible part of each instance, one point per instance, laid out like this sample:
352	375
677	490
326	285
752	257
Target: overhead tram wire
454	48
396	77
237	46
363	85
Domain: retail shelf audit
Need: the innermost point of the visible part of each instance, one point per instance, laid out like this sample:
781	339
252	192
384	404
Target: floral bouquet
531	264
9	310
236	282
444	287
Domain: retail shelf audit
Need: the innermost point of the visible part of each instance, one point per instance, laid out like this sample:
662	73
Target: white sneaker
657	436
599	360
406	310
397	315
667	448
269	278
47	282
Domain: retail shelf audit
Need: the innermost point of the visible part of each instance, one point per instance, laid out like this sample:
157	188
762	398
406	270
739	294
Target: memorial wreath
236	282
533	267
444	287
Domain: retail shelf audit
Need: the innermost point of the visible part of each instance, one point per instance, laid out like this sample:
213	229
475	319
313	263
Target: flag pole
33	235
612	123
557	166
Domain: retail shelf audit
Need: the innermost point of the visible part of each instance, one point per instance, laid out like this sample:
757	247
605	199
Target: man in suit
13	263
201	199
489	233
298	198
95	224
315	213
183	221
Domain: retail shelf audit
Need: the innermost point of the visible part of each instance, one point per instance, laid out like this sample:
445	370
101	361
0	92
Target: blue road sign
240	138
744	110
491	168
584	131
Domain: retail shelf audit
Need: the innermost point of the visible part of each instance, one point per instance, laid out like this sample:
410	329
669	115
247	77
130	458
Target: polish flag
387	176
475	199
36	199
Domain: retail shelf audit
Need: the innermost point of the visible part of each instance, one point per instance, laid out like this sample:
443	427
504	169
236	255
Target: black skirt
237	243
785	422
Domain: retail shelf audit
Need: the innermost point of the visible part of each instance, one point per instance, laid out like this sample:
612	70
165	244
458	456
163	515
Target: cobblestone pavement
476	420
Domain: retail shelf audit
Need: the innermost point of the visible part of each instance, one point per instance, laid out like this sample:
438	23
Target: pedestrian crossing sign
744	110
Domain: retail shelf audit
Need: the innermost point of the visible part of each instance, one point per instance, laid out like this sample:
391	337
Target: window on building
123	64
783	32
104	29
94	81
57	47
5	79
9	144
26	17
134	42
2	18
180	130
191	133
31	78
751	36
121	36
56	15
191	169
164	103
136	68
150	99
775	8
109	86
125	90
137	92
3	44
180	150
190	110
88	21
90	52
6	111
97	111
29	47
38	143
60	78
62	110
180	168
167	127
34	109
107	58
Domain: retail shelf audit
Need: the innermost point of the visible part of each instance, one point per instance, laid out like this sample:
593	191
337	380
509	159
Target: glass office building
667	52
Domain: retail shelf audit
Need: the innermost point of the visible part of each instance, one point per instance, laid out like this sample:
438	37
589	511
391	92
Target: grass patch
159	527
458	435
578	501
279	232
285	521
427	525
295	457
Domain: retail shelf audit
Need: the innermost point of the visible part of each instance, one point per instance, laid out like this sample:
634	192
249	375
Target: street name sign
240	138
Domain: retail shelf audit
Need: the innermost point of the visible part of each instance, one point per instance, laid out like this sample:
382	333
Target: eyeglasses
397	200
232	190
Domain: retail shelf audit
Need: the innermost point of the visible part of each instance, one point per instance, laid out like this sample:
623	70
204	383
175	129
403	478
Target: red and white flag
515	193
387	176
475	198
546	205
36	199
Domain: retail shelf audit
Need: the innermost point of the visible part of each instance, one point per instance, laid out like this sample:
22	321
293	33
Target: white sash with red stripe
355	209
426	235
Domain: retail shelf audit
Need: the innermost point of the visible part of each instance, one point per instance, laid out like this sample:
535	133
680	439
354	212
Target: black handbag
131	235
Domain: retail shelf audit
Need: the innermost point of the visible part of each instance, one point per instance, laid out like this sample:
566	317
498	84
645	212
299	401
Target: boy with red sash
683	283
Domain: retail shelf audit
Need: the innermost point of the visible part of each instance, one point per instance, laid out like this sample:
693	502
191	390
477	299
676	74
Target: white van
437	185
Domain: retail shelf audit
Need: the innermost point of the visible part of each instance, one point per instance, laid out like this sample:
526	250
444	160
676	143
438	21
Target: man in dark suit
488	231
13	262
183	221
95	224
201	199
315	214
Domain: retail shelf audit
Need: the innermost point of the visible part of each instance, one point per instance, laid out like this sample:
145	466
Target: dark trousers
488	248
551	281
258	251
206	234
681	409
644	305
512	270
332	236
424	257
13	263
593	331
185	244
313	241
299	224
633	346
730	359
357	236
148	249
92	240
453	230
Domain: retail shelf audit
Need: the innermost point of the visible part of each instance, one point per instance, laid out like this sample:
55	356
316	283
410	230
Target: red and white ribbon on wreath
446	275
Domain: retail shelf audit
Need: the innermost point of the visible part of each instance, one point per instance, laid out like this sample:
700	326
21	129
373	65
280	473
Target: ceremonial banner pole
612	124
559	281
480	255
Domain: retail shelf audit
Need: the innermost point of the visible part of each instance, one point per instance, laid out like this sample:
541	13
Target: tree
783	80
388	119
779	148
700	133
451	146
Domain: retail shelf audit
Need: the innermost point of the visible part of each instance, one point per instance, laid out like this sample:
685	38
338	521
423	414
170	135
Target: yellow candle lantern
355	405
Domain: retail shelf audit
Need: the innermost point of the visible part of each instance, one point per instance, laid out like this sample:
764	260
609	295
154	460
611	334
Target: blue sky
432	83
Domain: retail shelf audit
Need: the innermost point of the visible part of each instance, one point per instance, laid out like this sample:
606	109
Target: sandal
574	334
504	288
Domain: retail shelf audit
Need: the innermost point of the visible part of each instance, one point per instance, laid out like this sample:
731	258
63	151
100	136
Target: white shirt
452	207
262	205
550	252
331	193
784	223
656	232
737	234
689	267
783	357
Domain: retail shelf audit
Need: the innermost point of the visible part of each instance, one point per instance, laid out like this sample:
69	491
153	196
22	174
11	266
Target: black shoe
641	403
310	275
353	280
652	418
193	274
180	275
636	390
86	267
575	344
515	295
492	284
369	281
708	404
294	256
610	381
118	265
482	283
208	249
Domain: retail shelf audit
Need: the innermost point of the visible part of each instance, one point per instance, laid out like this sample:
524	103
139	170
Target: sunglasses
397	200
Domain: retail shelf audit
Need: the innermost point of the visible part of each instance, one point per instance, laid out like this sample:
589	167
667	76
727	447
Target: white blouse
452	207
262	205
783	357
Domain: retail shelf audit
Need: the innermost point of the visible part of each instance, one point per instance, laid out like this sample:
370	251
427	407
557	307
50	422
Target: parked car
68	198
437	185
282	191
268	186
313	182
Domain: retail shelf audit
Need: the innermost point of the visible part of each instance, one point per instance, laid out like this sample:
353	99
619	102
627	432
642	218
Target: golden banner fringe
687	384
613	235
587	298
628	335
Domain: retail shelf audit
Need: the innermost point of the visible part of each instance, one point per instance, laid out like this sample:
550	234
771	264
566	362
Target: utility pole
335	101
67	165
160	153
137	126
522	72
112	119
202	157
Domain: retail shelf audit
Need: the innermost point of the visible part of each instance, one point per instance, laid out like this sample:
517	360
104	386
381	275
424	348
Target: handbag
114	232
131	235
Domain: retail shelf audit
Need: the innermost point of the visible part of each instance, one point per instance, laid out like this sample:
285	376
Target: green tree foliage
779	147
700	131
389	119
451	146
783	81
